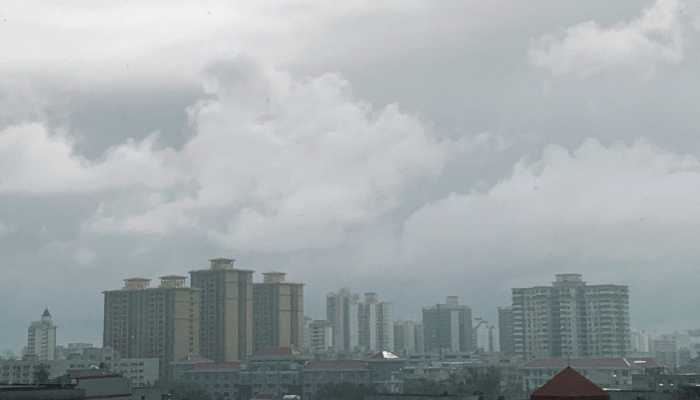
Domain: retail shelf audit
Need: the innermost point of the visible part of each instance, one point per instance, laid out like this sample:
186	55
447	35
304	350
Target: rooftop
569	384
578	363
335	365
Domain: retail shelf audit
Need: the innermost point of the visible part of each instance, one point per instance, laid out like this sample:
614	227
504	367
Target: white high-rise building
341	312
41	338
376	326
571	319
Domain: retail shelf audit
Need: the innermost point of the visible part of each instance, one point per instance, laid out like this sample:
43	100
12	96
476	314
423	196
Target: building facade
342	313
320	333
160	322
226	317
505	330
571	319
375	322
407	337
448	327
41	338
278	313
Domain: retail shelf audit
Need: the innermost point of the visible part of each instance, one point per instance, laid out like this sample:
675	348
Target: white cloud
639	45
595	209
35	161
280	164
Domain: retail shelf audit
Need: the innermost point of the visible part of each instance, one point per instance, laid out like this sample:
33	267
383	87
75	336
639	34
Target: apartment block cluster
567	319
356	325
222	315
255	336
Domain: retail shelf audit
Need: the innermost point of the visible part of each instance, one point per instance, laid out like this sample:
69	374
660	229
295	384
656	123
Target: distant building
145	322
278	312
614	373
41	338
320	334
342	313
665	351
640	342
407	335
571	319
226	318
448	327
51	391
317	374
505	330
376	327
268	374
138	371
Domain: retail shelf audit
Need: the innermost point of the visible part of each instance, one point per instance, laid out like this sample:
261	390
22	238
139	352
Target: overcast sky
414	148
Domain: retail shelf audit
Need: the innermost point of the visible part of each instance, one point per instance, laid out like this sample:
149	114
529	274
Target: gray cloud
655	37
378	147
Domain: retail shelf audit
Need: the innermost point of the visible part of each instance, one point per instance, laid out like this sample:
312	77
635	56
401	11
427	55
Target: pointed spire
46	313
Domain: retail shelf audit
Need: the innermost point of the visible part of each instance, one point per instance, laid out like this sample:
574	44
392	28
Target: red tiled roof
569	384
579	363
335	364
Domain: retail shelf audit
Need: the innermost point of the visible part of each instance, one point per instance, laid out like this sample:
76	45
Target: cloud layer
640	45
383	147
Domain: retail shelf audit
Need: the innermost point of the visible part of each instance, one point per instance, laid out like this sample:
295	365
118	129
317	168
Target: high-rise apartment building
41	338
408	337
448	327
571	319
278	313
376	326
342	313
505	330
145	322
226	317
320	333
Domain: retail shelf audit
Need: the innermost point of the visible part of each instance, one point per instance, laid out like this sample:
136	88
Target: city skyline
415	316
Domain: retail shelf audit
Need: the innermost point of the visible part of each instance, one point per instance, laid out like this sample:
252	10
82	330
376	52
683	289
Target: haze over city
415	149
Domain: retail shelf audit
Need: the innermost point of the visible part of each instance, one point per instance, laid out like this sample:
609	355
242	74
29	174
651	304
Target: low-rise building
139	371
318	373
604	372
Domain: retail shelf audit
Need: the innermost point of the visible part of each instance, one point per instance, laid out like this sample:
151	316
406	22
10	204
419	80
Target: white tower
41	338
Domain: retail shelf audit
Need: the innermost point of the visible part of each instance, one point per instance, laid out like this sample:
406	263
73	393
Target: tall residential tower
376	325
342	313
278	313
145	322
448	327
41	338
571	319
226	318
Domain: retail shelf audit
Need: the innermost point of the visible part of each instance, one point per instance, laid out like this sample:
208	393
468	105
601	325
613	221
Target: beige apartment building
226	313
153	322
278	312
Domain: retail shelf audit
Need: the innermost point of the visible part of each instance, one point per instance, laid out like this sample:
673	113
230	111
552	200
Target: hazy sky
412	148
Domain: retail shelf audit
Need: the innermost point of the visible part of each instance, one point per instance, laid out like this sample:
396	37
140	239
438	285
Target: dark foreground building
41	392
